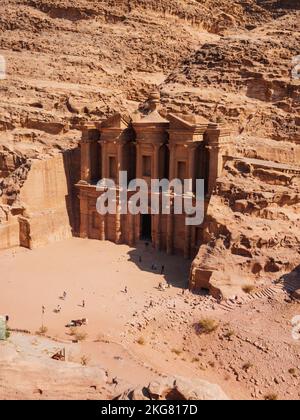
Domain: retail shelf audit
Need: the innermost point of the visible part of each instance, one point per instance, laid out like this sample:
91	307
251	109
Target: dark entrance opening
146	227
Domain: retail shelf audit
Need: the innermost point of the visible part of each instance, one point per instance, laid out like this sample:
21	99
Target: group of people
58	309
162	286
154	268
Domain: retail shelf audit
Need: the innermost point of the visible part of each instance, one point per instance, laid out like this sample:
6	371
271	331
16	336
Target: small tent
2	68
3	326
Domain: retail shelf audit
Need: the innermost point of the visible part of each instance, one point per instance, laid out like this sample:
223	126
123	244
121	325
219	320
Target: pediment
116	121
186	122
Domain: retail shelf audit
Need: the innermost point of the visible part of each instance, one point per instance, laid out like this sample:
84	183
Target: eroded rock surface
251	233
176	388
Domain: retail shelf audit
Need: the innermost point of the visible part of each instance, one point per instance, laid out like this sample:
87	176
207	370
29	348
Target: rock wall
9	233
47	196
44	208
13	173
251	232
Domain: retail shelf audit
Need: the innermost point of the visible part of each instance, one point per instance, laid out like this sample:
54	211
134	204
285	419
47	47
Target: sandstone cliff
37	195
251	233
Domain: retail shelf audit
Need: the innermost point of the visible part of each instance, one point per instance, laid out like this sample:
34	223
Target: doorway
146	227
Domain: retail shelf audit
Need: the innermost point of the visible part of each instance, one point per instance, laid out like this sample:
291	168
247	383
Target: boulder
175	388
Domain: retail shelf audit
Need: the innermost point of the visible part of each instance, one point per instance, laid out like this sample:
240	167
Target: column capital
191	146
171	146
157	145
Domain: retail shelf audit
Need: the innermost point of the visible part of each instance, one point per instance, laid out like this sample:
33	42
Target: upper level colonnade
154	147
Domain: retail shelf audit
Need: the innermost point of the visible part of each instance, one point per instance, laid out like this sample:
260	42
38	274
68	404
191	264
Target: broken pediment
188	122
117	121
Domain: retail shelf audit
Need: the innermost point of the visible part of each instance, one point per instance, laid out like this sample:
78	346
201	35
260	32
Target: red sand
97	272
94	271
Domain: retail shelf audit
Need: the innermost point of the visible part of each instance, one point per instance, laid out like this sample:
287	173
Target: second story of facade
154	147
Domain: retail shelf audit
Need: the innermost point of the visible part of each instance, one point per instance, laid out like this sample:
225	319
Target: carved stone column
118	222
193	241
170	217
218	142
157	225
156	175
172	169
215	166
131	229
120	159
138	161
103	228
85	160
84	215
191	167
170	229
100	151
187	243
104	160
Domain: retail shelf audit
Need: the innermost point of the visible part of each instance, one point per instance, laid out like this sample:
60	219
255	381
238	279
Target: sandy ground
142	334
97	273
92	271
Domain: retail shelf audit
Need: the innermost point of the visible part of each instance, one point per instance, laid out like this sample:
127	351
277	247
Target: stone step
277	286
225	307
270	292
292	286
292	280
289	286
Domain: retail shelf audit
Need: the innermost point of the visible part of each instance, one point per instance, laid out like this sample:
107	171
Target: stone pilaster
120	158
172	169
170	229
118	222
104	160
218	144
157	227
193	241
138	161
100	151
131	230
85	160
215	166
191	166
84	215
187	243
103	228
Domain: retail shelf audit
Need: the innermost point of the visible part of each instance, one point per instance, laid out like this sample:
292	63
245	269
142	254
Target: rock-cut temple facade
152	147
